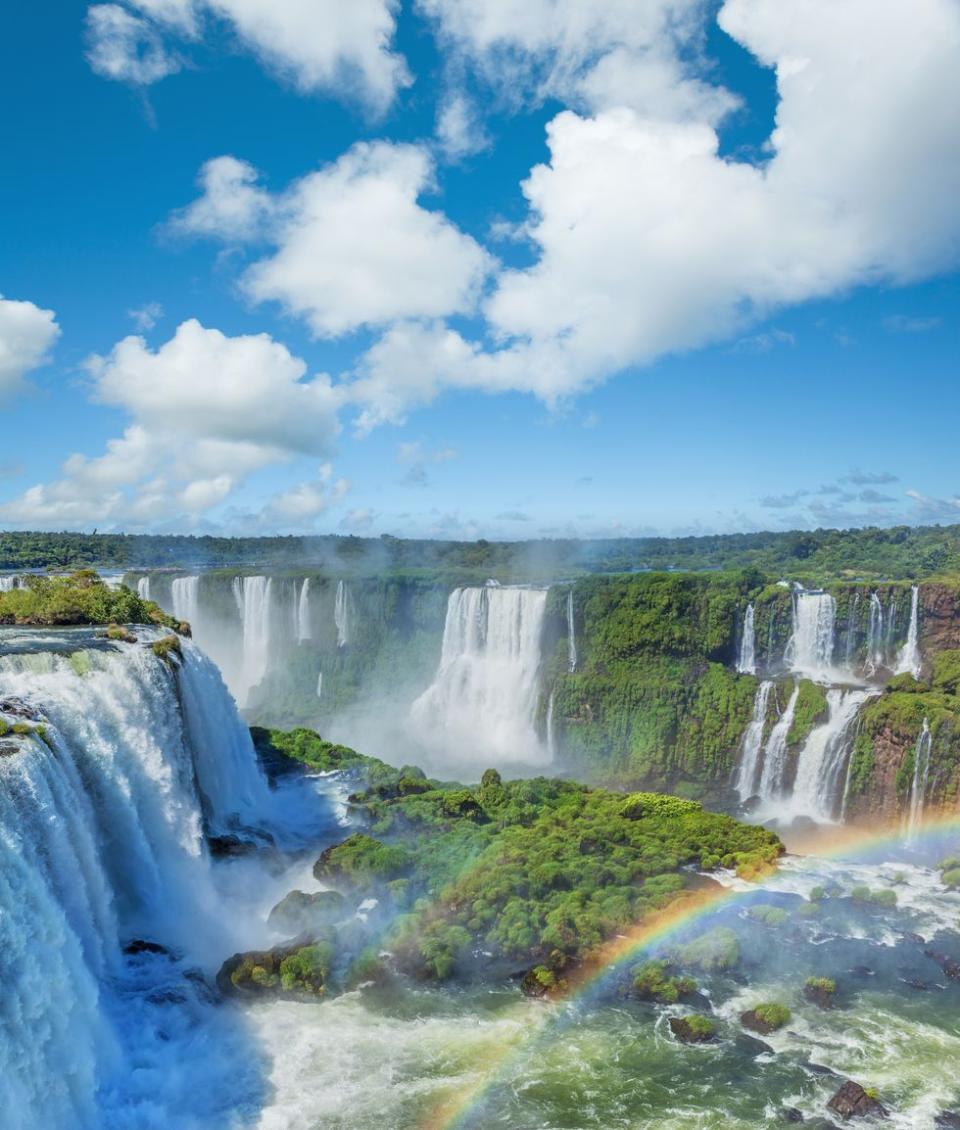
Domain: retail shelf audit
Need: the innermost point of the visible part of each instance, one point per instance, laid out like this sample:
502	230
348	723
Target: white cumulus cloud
353	244
27	334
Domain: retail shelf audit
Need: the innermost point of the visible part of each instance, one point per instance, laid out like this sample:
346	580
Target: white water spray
775	752
818	786
909	658
875	637
483	698
746	784
810	648
254	597
341	614
185	594
747	662
143	588
303	612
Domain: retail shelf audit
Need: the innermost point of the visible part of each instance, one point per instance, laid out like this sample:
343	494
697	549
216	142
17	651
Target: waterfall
818	786
775	752
143	588
908	659
571	635
851	645
875	655
746	783
254	602
484	695
340	614
101	825
320	685
810	648
185	594
747	663
551	737
303	612
918	787
8	584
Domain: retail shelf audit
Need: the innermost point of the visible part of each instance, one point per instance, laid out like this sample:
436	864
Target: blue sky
453	268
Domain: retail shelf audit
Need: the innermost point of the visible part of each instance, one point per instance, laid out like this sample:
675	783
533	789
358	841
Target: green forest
894	553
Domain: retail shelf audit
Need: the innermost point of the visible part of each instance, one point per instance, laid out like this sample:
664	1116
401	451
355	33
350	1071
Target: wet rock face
939	619
299	913
947	1120
17	708
852	1101
949	966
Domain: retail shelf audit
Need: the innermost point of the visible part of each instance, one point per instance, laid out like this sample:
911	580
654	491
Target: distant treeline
897	552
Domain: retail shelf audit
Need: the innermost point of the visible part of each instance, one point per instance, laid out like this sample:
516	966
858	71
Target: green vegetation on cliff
885	750
655	699
80	598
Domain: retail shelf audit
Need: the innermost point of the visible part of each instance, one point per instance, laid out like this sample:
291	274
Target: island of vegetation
525	877
80	598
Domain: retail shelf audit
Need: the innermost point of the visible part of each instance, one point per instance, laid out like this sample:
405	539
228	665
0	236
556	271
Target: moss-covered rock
655	982
693	1029
766	1018
821	991
294	972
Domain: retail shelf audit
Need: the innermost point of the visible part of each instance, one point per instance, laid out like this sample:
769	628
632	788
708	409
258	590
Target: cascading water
875	637
819	783
143	588
571	635
101	840
750	749
303	612
809	651
908	660
551	736
254	603
185	594
918	787
747	661
8	584
775	752
851	644
341	614
320	685
483	698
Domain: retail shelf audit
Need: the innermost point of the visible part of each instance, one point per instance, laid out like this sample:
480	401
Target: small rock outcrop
693	1029
854	1101
302	913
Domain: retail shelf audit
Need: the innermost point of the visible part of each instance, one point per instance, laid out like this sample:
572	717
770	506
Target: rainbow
689	909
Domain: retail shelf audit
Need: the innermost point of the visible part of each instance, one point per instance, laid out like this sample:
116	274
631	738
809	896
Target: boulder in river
693	1029
854	1101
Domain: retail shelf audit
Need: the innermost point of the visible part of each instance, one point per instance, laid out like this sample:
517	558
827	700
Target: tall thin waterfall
818	786
571	635
143	588
908	659
810	648
483	698
747	662
851	644
254	600
875	637
303	612
9	583
775	752
320	685
341	614
185	594
551	734
918	788
752	745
